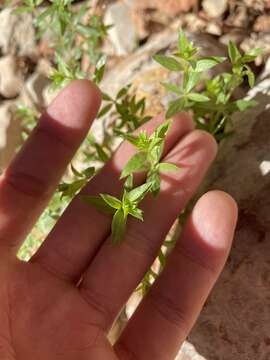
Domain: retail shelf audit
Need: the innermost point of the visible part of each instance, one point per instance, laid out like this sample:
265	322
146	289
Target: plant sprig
212	108
120	208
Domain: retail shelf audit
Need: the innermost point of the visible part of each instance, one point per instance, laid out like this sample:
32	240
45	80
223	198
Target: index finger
29	182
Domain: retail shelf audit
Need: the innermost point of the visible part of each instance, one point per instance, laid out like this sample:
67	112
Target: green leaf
154	181
137	194
118	226
168	167
128	185
75	171
101	153
208	63
243	105
104	110
122	92
250	75
252	54
162	258
168	62
172	87
191	80
89	172
175	107
197	97
98	203
186	48
234	53
183	42
135	164
22	10
137	213
161	130
106	97
63	67
70	190
112	201
100	69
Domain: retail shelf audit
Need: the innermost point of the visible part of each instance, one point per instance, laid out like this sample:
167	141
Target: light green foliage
148	160
69	190
148	157
121	209
28	118
127	112
76	37
213	106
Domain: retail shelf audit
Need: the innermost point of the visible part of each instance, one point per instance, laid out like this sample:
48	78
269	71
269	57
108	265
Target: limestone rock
262	23
188	352
123	33
17	33
11	80
146	75
171	7
36	86
235	321
215	8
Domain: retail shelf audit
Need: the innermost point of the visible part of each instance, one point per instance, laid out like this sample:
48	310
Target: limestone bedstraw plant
212	108
148	160
77	34
74	32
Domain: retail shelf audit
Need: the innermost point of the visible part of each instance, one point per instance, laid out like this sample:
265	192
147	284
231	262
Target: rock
236	318
123	33
238	18
35	86
11	80
213	29
10	133
146	75
188	352
171	7
255	40
257	5
236	36
17	33
214	8
262	24
194	23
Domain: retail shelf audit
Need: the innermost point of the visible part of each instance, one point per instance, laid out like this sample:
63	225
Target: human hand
61	304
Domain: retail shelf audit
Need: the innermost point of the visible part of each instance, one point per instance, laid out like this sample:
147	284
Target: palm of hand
47	318
62	303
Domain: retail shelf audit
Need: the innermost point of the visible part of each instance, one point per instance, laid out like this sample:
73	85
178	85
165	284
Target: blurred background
45	44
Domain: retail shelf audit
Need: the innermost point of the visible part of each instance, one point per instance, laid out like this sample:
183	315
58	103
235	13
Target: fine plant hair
77	35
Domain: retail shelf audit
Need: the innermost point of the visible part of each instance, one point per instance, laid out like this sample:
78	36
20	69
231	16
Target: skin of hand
62	303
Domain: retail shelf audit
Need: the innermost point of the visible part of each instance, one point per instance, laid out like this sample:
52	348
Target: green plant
77	34
213	106
28	119
212	109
